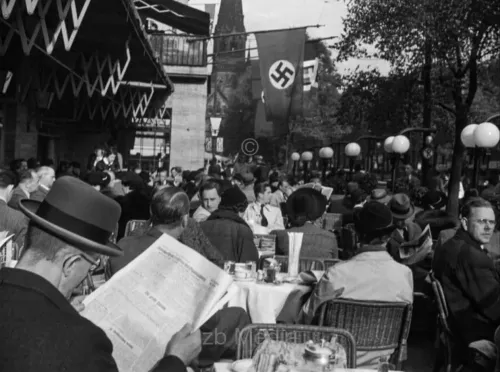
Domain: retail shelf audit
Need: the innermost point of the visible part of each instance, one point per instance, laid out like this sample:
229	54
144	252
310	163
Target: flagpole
252	32
244	50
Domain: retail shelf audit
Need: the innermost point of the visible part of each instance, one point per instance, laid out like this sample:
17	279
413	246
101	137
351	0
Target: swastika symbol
282	74
428	153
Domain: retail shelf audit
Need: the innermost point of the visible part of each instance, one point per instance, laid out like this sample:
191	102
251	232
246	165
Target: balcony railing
177	50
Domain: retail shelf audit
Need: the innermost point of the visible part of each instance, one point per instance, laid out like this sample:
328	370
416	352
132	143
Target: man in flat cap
41	331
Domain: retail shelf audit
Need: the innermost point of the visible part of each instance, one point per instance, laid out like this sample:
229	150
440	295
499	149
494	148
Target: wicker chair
305	263
329	262
253	335
332	221
133	225
375	325
444	356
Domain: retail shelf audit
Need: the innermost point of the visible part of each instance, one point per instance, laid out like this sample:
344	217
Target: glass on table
271	273
229	267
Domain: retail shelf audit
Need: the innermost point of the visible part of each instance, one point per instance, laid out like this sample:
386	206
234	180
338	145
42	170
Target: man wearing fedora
405	231
371	275
41	330
380	195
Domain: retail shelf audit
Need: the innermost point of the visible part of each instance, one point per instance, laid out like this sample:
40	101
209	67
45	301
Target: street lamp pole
352	150
215	126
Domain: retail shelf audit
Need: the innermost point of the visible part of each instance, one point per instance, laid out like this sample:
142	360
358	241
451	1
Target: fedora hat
380	195
305	204
401	207
78	214
374	219
434	200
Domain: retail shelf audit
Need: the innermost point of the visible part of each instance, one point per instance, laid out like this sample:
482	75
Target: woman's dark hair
236	208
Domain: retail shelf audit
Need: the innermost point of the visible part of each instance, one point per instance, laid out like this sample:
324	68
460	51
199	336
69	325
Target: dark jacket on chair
231	236
44	333
316	242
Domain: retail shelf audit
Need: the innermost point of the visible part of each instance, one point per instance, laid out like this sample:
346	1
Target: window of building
152	143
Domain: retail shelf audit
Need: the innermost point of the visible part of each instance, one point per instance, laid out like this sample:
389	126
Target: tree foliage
460	35
319	121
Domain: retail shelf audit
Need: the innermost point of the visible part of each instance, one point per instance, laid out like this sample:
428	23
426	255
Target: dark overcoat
41	332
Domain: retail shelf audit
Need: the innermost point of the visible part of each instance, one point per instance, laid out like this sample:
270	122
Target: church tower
229	56
229	64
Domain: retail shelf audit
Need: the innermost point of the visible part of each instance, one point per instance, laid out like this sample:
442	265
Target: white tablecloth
226	367
263	301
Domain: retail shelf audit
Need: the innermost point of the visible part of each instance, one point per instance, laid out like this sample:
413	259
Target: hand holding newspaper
417	250
142	306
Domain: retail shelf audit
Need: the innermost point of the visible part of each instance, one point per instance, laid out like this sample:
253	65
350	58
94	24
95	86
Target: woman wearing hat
305	207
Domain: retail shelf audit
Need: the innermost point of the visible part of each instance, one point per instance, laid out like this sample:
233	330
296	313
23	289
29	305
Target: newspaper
326	191
149	300
418	249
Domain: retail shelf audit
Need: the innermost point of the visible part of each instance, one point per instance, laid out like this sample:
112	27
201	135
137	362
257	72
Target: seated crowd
218	216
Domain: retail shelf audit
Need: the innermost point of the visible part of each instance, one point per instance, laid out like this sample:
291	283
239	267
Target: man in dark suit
28	183
46	177
11	220
68	232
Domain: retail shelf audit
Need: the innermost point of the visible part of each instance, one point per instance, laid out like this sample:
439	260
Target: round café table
265	301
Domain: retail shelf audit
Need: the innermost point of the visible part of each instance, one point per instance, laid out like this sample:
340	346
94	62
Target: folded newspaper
150	299
326	191
418	249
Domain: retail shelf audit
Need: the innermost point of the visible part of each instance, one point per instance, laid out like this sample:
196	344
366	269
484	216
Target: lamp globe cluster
295	156
485	135
352	149
399	144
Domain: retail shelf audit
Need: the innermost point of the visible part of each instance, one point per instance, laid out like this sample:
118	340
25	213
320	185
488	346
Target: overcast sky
276	14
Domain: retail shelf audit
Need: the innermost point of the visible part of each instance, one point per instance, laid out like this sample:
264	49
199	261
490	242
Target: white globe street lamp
485	135
326	153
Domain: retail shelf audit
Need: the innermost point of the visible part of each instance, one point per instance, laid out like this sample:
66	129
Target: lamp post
426	153
215	126
306	157
398	146
485	135
326	153
352	150
295	158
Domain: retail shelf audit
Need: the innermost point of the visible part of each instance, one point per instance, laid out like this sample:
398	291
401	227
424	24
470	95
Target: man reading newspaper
169	212
41	331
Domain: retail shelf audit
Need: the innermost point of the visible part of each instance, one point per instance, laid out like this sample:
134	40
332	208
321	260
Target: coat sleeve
247	251
479	280
324	291
170	364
